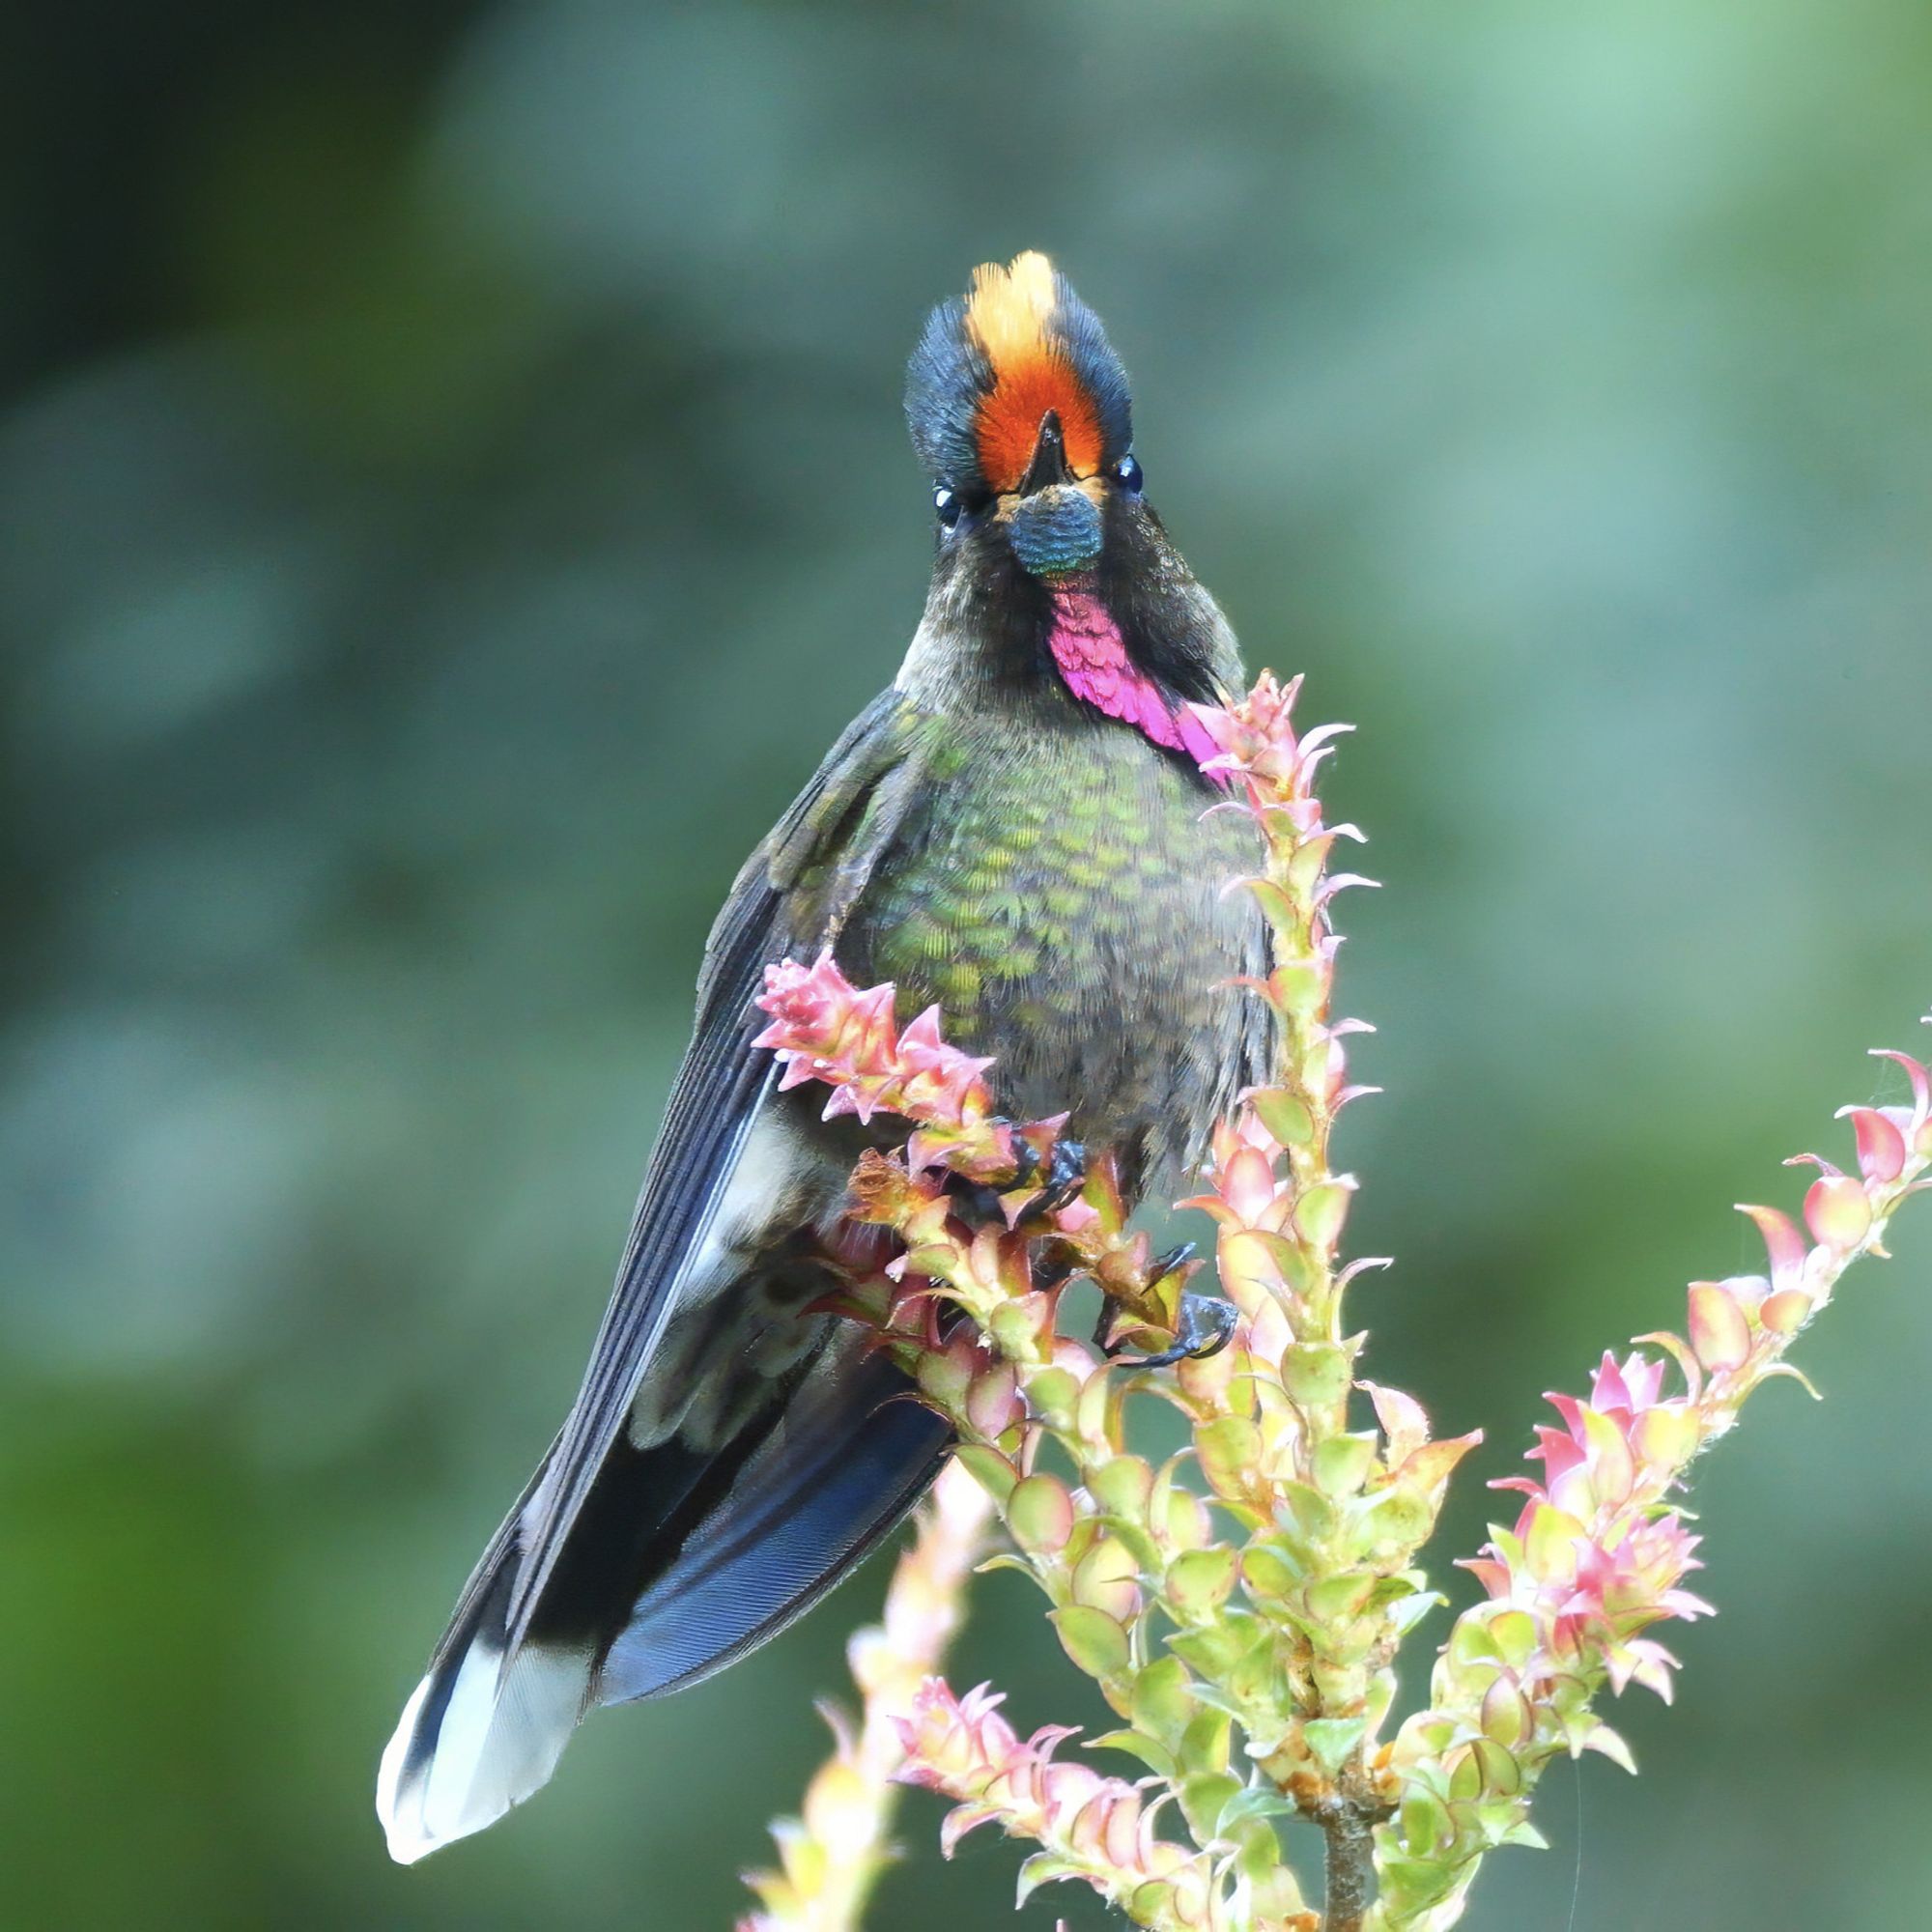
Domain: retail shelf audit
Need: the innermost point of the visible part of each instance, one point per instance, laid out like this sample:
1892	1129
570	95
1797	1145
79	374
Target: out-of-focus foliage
451	490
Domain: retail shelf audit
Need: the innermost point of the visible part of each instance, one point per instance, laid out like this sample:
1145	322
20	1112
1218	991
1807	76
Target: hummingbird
1018	830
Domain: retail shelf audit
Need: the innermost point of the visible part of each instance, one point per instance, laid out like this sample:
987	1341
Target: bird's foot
1058	1177
1061	1176
1204	1325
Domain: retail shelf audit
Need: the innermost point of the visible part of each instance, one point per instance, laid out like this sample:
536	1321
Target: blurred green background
451	490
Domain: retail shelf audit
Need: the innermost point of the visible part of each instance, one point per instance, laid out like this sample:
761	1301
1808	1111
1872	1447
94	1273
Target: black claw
1060	1176
1174	1258
1109	1308
1065	1175
1209	1323
1207	1327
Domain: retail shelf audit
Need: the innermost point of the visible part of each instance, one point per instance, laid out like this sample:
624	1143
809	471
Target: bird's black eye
1127	475
954	506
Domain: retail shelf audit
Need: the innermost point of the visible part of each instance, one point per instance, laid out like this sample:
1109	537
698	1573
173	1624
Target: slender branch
1350	1852
834	1853
1599	1550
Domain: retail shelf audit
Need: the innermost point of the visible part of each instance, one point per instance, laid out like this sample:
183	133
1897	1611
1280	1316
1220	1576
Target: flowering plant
1244	1627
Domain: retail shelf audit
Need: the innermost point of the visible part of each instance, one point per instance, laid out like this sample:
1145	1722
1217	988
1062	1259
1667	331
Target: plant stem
834	1855
1350	1873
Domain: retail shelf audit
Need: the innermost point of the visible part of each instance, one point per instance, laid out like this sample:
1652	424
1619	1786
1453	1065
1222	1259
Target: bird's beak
1049	465
1052	523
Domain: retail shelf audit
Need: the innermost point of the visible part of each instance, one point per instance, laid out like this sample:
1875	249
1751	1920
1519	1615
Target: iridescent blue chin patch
1056	531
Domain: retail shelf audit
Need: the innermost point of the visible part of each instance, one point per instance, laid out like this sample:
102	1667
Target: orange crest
1009	315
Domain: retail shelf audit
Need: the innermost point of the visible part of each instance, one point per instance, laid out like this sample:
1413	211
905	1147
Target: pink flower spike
1678	1350
921	1036
1340	882
1569	1408
850	1099
1880	1146
1633	1385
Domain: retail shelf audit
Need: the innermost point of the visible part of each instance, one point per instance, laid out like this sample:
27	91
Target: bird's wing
571	1574
791	897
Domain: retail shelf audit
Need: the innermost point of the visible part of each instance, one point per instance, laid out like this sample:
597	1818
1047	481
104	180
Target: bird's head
1048	554
1019	409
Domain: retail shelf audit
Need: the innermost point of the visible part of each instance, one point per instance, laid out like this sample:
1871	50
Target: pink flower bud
993	1402
1717	1329
1838	1211
1882	1151
1782	1241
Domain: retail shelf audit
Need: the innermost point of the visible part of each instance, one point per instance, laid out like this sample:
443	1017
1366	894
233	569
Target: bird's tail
485	1727
679	1561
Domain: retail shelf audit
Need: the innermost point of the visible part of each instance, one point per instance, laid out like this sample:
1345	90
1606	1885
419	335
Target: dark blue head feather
945	379
987	368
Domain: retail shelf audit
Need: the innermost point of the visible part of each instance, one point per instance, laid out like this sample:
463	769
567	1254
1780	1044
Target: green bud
1201	1582
1270	1575
1316	1374
989	1469
1095	1409
1214	1649
1203	1797
1425	1824
1393	1520
1338	1599
1015	1328
1209	1741
1122	1486
1163	1703
1186	1521
1277	908
1095	1641
944	1377
1312	1513
1053	1395
1320	1213
1230	1449
1283	1116
1341	1464
1506	1717
1106	1578
1040	1513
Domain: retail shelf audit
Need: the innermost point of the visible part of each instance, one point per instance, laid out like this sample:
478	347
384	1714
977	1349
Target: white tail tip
497	1740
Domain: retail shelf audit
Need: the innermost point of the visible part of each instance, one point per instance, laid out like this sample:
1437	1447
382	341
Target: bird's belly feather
1066	907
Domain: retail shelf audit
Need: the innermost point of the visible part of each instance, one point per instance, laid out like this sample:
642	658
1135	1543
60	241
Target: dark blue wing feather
713	1107
850	1455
